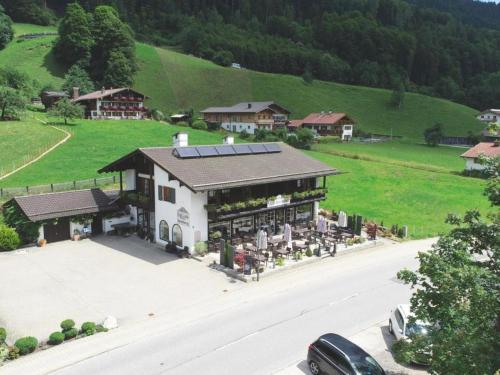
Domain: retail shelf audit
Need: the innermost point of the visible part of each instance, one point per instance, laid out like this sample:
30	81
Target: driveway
93	278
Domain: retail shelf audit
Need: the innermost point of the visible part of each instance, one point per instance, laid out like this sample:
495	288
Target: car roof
347	347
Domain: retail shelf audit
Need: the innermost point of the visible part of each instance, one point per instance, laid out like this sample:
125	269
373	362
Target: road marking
236	341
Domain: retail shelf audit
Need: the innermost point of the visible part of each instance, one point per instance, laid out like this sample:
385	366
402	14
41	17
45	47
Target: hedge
3	335
88	328
56	338
67	324
70	333
200	125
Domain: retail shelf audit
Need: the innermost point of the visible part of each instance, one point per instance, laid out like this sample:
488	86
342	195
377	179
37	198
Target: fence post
27	189
74	185
1	192
95	182
52	187
114	179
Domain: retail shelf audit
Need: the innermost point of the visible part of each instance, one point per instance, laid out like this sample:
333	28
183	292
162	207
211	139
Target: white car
400	326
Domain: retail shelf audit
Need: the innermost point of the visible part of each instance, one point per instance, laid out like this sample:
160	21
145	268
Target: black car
332	354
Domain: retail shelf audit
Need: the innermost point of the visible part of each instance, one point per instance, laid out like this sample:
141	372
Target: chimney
76	92
180	140
249	105
229	140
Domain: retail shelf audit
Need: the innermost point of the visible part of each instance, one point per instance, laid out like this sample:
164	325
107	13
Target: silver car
400	325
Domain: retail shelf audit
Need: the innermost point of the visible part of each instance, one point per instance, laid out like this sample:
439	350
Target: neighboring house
489	135
489	115
61	214
490	149
185	193
113	104
327	123
49	98
247	116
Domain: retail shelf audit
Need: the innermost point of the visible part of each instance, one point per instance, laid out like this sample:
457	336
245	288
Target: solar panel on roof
207	151
225	150
242	149
272	147
187	152
258	148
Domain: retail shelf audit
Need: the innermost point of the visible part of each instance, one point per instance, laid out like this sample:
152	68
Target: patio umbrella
321	226
287	235
262	240
342	219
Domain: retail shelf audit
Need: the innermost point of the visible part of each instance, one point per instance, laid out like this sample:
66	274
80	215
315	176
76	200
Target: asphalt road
265	334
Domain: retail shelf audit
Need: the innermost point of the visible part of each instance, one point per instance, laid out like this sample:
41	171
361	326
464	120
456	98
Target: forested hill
435	47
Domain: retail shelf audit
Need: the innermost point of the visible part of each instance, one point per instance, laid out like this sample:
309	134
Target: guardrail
7	193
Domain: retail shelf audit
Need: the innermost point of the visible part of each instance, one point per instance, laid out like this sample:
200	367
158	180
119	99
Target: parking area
127	278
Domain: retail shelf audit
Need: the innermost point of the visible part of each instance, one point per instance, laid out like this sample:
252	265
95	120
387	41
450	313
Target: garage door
57	232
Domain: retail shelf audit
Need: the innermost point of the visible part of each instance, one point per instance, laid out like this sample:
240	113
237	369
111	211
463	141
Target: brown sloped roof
219	172
325	118
246	107
483	148
65	204
103	93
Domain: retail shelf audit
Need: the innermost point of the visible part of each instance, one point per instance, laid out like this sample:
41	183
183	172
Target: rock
110	322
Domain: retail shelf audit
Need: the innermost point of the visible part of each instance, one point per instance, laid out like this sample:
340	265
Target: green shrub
280	262
4	352
244	134
201	248
26	345
100	328
9	239
239	205
182	123
309	253
67	324
3	335
157	115
14	352
329	139
70	333
402	352
200	125
56	338
88	328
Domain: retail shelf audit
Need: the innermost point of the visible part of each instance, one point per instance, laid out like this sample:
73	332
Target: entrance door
97	225
280	221
57	232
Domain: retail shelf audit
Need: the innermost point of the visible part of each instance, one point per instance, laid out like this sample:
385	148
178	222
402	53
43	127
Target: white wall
76	226
41	233
249	127
193	203
347	133
470	165
489	117
129	179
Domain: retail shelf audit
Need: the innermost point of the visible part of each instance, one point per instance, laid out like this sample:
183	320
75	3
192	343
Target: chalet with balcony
247	116
113	104
187	194
327	123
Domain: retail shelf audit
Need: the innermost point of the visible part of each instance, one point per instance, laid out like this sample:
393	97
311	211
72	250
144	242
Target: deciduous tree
66	110
433	135
78	77
6	32
11	102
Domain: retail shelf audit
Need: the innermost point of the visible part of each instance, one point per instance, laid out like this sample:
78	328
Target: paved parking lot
93	278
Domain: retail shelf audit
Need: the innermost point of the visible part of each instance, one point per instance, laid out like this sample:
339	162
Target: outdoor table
250	247
301	247
258	257
281	252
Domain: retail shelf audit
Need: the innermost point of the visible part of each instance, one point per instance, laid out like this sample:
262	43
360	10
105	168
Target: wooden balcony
137	199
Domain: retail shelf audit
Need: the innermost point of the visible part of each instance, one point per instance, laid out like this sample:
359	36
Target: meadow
406	154
391	194
22	141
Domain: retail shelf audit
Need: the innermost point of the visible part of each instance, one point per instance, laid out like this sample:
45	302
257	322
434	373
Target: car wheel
390	327
314	367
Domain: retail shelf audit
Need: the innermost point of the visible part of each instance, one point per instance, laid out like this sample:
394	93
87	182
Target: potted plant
76	235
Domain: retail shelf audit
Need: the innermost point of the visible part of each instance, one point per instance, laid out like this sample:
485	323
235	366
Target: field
94	144
22	141
399	195
412	155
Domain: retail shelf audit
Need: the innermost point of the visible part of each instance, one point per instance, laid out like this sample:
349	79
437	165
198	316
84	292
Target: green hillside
176	81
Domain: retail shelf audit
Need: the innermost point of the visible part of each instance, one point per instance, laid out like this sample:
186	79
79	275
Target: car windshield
416	329
366	365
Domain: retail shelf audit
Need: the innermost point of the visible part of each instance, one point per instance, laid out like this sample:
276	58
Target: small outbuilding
63	214
326	123
489	149
49	98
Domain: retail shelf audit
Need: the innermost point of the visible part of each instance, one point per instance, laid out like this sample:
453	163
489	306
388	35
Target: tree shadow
51	63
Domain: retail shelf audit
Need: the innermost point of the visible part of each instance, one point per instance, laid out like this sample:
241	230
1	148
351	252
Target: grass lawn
22	141
27	28
97	143
414	155
178	81
399	195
